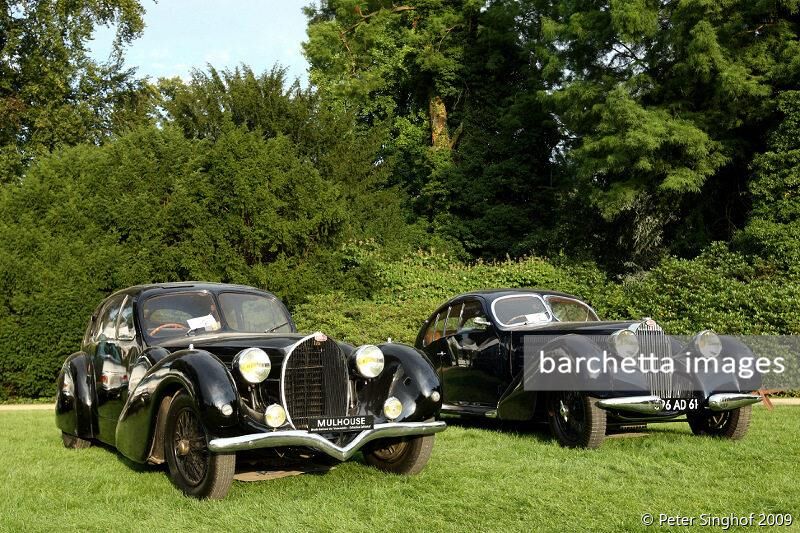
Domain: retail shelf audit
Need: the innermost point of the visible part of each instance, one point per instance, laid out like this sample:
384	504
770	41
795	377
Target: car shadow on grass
534	430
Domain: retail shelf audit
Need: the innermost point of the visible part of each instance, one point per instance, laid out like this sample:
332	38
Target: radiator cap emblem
320	337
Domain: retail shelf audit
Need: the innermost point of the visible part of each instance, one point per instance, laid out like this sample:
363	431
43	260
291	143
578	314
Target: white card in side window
536	317
202	322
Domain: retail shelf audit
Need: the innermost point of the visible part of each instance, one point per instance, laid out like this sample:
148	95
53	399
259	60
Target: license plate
328	424
681	404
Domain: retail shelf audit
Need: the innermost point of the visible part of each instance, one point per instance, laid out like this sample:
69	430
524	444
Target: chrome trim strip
728	401
320	443
638	404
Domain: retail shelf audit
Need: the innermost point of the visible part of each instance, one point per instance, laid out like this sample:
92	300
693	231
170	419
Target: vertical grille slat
315	381
652	340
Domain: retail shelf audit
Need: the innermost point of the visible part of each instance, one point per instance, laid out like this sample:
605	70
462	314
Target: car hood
580	328
227	345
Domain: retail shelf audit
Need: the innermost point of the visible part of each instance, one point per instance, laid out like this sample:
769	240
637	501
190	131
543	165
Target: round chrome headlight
392	408
708	343
625	343
275	415
253	364
368	360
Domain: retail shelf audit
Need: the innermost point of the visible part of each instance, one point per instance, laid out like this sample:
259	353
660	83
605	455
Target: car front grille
653	341
314	381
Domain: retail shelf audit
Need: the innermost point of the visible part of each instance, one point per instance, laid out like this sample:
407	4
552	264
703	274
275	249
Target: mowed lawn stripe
481	477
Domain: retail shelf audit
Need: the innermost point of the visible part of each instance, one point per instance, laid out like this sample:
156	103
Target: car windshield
569	310
191	313
253	313
520	310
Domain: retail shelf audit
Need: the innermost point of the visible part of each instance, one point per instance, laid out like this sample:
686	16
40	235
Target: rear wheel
407	455
575	420
724	424
192	467
73	442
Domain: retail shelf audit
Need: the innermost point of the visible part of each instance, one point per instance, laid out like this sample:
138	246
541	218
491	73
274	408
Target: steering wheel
168	325
513	318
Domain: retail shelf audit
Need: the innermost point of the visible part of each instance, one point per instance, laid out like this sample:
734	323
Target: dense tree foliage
51	93
153	206
664	105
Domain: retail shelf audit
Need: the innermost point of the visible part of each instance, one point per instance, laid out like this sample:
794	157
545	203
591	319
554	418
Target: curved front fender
408	376
204	377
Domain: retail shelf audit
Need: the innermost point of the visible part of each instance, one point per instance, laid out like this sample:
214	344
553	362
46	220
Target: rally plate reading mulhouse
340	423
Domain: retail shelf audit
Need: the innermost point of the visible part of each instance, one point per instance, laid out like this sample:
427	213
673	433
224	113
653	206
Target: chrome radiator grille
653	341
314	381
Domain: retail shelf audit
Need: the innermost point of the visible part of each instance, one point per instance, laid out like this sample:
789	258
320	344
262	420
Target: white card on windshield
536	317
205	322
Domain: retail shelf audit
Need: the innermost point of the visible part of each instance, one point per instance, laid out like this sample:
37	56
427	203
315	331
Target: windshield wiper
270	330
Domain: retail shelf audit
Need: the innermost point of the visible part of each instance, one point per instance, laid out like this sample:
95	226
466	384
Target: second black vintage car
478	340
188	374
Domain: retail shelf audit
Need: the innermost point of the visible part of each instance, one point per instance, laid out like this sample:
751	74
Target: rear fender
76	408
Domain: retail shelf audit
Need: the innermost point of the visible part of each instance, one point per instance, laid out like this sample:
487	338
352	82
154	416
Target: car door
110	371
483	372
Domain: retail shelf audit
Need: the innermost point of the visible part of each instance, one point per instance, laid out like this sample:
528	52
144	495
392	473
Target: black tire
575	420
74	443
407	455
192	467
724	424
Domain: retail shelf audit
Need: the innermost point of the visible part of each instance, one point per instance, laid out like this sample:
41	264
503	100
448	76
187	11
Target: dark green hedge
154	206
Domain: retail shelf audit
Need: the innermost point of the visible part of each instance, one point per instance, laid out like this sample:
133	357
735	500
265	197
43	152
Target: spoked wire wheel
193	468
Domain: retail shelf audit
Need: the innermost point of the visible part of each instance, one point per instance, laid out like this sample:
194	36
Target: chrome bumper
653	404
638	404
295	437
726	402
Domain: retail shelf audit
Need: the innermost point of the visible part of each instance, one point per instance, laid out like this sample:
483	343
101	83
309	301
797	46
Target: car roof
492	294
138	290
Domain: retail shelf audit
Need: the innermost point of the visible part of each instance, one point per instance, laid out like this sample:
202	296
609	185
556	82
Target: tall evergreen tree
663	105
51	93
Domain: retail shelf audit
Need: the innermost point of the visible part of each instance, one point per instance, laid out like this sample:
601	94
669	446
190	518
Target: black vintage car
191	373
479	343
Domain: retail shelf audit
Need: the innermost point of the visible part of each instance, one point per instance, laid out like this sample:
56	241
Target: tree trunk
440	138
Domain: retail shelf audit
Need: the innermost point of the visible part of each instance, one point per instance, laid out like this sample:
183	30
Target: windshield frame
521	295
225	328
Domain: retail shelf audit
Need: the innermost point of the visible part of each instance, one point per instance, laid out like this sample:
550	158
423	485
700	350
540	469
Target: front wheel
724	424
576	421
73	442
192	467
400	456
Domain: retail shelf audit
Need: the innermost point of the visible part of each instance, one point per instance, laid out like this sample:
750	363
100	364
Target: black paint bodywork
202	365
488	381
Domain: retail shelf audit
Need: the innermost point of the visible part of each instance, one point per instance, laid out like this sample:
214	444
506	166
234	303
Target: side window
126	330
473	318
107	321
452	320
430	333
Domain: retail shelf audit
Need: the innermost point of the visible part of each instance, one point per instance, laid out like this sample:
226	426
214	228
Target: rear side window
126	329
431	333
106	327
473	310
453	319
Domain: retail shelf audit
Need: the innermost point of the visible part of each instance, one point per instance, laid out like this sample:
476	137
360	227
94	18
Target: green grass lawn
479	478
